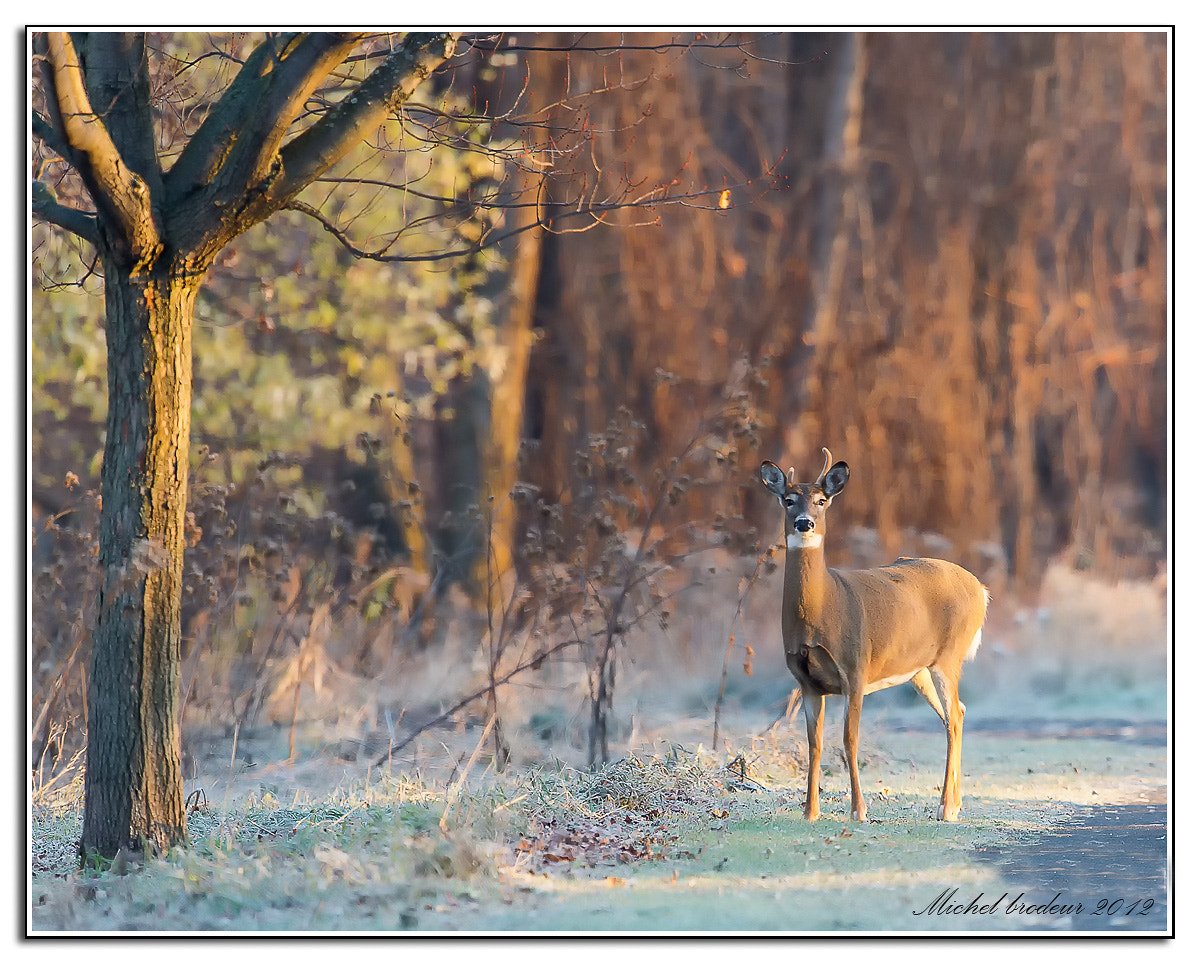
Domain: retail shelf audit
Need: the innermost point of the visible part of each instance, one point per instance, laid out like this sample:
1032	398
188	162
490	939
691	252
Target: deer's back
930	600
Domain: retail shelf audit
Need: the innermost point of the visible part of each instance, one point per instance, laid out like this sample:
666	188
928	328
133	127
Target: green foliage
67	363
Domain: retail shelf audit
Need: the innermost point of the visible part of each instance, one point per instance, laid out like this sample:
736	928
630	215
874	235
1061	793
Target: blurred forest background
943	256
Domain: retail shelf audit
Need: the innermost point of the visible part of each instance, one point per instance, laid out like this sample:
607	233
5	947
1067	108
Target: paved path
1107	858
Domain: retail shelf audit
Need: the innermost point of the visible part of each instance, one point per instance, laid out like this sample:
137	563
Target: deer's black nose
804	525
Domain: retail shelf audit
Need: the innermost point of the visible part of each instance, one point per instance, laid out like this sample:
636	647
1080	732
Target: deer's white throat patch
803	540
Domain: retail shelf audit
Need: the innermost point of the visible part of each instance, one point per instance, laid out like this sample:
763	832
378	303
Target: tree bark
134	787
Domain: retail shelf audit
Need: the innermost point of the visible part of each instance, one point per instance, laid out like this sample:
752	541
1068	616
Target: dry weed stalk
762	565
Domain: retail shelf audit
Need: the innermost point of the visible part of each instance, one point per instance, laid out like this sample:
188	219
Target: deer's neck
807	587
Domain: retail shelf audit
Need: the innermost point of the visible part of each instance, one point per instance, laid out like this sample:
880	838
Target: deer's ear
773	478
835	479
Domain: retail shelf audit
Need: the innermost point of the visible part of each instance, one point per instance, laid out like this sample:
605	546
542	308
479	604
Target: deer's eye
821	501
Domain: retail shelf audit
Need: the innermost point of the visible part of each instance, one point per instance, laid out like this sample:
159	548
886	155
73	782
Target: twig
457	788
532	663
739	614
789	710
41	728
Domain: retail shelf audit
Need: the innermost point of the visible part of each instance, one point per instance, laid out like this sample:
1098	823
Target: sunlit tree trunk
134	790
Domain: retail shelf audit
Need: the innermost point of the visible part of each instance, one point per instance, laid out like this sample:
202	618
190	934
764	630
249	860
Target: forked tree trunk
134	791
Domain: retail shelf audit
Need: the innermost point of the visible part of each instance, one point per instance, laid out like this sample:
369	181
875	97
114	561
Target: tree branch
51	136
534	662
294	75
120	194
257	177
226	163
206	149
316	150
548	214
118	84
46	206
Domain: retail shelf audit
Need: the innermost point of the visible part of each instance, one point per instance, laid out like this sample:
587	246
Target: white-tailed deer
854	632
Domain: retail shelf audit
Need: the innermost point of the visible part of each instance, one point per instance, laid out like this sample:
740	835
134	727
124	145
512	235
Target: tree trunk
507	405
462	427
134	787
839	203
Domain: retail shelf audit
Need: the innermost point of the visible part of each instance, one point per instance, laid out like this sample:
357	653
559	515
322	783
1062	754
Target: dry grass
1089	646
1084	613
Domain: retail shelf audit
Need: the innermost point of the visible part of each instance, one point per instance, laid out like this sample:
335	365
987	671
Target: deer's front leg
858	806
814	715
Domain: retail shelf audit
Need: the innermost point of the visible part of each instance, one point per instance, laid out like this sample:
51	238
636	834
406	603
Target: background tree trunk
134	790
493	405
501	463
462	430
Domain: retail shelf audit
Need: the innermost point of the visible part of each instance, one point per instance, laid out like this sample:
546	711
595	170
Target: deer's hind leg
854	701
947	689
923	683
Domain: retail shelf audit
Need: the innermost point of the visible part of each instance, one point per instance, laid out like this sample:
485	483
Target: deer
853	632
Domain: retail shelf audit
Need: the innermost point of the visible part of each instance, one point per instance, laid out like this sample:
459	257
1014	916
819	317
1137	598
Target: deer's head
804	503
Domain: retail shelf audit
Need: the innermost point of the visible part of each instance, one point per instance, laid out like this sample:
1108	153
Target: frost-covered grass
672	834
663	840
